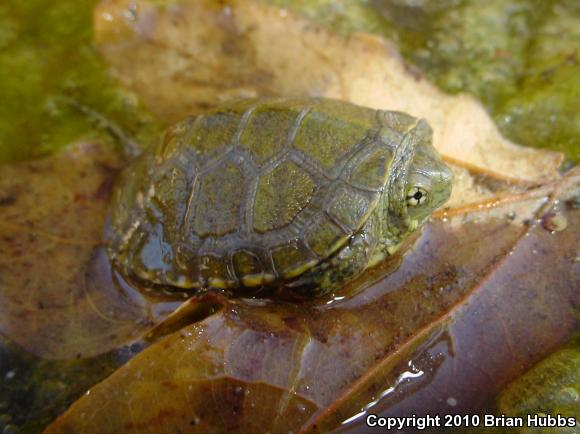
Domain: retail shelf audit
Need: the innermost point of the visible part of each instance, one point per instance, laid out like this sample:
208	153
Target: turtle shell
250	194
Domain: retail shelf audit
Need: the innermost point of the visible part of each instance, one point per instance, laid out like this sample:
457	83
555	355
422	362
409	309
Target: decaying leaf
480	298
57	295
183	57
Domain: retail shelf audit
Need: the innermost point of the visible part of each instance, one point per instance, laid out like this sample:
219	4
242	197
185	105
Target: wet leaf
183	57
57	295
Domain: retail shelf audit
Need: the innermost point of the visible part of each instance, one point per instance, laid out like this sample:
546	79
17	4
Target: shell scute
293	258
324	236
267	132
173	140
215	130
153	254
349	207
372	171
215	209
169	196
215	271
328	132
282	193
247	263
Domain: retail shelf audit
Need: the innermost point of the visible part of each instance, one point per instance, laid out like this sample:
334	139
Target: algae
46	54
33	391
551	387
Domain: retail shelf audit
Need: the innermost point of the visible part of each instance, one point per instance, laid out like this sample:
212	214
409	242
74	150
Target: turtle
297	193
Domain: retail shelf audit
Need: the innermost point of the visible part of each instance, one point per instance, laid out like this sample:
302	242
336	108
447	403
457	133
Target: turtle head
428	183
420	182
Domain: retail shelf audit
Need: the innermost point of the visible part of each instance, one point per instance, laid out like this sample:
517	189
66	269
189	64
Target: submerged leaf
58	298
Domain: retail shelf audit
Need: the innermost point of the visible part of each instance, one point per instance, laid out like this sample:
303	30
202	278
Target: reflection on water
413	375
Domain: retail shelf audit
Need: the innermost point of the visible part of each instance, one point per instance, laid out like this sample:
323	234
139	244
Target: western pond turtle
300	193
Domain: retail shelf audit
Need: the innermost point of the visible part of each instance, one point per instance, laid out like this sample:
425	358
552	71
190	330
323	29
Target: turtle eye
416	196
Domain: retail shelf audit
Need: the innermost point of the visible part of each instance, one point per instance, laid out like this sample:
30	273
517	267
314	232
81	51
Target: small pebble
554	222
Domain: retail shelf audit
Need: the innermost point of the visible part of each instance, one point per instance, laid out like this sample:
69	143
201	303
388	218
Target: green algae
551	387
342	16
545	111
46	54
519	57
34	391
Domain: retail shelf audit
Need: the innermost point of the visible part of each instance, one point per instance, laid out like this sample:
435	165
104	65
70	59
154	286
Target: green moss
46	53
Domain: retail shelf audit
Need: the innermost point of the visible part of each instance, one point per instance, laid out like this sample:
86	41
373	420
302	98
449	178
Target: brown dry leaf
57	296
185	56
477	300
